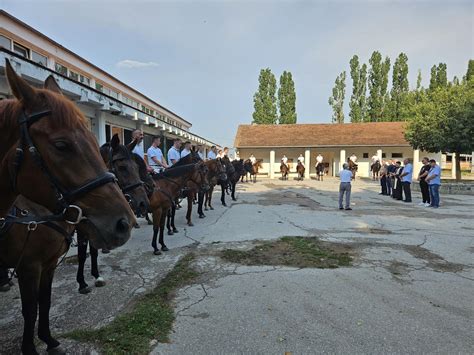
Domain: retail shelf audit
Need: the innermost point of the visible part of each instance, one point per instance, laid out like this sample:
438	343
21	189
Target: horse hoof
56	351
234	199
99	282
85	290
190	224
175	230
150	223
157	252
136	226
164	248
170	232
206	209
212	208
224	204
105	251
202	216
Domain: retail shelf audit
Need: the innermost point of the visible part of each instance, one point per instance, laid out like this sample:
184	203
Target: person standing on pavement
434	181
406	178
425	190
397	185
345	187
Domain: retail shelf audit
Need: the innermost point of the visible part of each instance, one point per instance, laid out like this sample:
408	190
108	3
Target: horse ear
51	84
131	146
115	141
20	88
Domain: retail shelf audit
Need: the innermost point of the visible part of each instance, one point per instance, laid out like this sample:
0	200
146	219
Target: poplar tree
357	103
337	98
398	104
287	99
439	76
264	100
378	82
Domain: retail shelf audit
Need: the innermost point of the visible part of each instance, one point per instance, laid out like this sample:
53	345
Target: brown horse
320	171
216	176
284	170
168	187
353	167
375	169
252	169
45	140
300	169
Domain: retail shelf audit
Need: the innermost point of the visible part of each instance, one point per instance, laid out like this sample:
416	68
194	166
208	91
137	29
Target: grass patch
294	251
151	317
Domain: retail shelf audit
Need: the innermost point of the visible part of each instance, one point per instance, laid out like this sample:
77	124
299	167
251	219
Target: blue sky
201	59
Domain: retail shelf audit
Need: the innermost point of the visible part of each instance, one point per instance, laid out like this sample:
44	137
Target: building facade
111	106
335	142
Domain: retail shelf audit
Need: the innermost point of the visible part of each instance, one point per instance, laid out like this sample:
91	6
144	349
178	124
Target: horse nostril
123	226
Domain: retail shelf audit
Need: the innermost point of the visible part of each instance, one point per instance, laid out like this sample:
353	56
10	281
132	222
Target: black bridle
64	197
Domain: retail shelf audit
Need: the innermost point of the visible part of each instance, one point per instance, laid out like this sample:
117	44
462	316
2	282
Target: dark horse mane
175	171
120	149
188	159
66	113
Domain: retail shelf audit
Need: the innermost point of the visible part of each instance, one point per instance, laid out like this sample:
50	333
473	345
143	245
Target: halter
64	197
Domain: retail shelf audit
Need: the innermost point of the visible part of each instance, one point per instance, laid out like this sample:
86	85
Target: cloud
128	63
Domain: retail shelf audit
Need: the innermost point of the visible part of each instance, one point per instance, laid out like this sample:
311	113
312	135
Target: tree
357	104
470	71
264	100
445	122
439	76
378	82
337	98
398	105
287	99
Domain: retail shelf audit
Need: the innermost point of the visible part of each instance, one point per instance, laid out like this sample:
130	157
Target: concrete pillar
416	161
100	121
342	158
307	163
379	155
453	166
472	162
272	164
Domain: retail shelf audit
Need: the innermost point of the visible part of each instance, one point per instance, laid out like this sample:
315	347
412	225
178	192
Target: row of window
394	155
63	70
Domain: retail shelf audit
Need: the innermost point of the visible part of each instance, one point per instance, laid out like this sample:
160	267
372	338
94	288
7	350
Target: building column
472	163
271	170
416	160
307	160
453	166
379	155
100	120
342	159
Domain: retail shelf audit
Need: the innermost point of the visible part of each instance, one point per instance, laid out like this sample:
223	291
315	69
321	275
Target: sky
201	59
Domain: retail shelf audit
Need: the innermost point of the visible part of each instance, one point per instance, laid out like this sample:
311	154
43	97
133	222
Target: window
397	155
365	155
73	75
39	58
19	49
99	87
61	69
85	80
5	42
384	155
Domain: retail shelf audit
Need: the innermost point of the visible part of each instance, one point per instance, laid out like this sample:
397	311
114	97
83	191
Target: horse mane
66	114
175	171
123	150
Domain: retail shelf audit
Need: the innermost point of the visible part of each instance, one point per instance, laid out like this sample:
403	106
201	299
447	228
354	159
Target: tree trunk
458	166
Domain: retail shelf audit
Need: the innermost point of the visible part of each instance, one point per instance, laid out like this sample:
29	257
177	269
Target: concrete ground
410	290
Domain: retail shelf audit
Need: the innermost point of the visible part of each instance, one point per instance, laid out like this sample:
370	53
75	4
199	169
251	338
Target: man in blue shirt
345	187
406	178
434	181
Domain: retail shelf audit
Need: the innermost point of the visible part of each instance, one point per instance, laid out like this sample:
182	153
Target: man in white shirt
406	177
200	150
137	136
319	159
155	156
212	153
225	153
353	158
252	159
284	160
301	159
345	187
173	153
374	159
237	156
186	150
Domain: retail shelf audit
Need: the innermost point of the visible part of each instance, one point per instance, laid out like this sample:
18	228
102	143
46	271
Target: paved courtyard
410	289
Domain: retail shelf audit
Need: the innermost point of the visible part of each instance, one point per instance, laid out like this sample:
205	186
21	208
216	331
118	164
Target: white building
111	105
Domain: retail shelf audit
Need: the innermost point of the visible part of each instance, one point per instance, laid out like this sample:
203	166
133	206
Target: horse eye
62	146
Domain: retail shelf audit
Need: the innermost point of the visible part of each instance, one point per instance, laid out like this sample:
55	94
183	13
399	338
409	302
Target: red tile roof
321	135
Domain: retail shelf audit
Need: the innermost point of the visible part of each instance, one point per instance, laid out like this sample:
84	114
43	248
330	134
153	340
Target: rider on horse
301	159
284	161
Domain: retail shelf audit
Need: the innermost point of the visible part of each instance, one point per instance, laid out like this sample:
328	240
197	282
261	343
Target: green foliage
357	105
287	99
378	82
265	109
397	109
439	76
470	71
152	317
337	98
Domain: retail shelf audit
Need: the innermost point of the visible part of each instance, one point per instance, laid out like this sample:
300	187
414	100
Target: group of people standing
396	180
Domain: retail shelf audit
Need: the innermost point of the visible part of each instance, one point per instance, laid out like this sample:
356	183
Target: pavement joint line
178	313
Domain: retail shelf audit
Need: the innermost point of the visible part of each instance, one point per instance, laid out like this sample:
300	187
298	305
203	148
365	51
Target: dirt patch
302	252
434	261
287	197
369	230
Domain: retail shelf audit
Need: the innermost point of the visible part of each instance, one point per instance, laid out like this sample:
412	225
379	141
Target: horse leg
99	280
44	300
28	281
223	195
162	228
233	191
210	198
168	222
156	228
148	219
81	258
173	213
200	202
190	209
